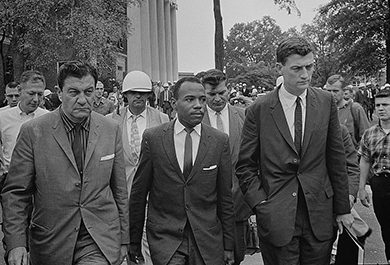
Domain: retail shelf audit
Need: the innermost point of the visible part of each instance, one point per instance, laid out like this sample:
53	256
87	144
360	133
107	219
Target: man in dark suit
165	100
190	218
228	119
291	164
68	167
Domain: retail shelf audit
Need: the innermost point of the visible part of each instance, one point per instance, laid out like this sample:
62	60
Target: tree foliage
43	31
359	28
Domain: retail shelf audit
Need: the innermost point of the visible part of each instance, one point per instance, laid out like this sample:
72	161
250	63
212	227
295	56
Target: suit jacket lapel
279	118
169	147
311	114
60	136
92	139
234	127
203	149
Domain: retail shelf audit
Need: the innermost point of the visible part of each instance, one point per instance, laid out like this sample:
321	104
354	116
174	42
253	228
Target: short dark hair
384	93
213	77
12	84
76	69
292	45
178	84
334	78
31	75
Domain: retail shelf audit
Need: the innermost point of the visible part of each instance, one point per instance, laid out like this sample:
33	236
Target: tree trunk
388	44
218	41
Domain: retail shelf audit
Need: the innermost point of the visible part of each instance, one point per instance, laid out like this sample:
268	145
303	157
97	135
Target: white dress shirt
179	136
224	116
288	102
10	122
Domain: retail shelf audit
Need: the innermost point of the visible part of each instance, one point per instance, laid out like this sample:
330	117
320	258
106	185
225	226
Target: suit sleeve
139	192
247	168
119	187
352	162
17	192
225	200
336	165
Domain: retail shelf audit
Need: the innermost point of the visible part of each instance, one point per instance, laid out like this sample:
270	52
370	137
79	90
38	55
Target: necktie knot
189	130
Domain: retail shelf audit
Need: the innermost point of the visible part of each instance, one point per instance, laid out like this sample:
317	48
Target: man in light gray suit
228	119
133	120
67	166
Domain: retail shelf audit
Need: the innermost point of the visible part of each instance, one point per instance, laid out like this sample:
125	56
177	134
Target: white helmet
137	81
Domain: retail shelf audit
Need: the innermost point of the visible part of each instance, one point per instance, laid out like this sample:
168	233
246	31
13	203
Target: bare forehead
384	100
299	60
83	82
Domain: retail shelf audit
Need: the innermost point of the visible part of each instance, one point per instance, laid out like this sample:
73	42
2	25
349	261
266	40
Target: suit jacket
43	166
162	100
154	117
204	200
270	170
236	121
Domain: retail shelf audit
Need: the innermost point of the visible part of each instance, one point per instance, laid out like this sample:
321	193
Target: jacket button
294	194
295	160
78	185
181	230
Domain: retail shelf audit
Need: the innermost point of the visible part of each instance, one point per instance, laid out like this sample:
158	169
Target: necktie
219	122
135	141
78	148
187	165
298	125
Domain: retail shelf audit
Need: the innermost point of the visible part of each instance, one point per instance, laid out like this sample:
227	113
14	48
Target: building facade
152	43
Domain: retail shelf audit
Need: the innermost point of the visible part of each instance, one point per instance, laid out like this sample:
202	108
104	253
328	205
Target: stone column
145	37
134	51
155	75
175	61
161	40
168	39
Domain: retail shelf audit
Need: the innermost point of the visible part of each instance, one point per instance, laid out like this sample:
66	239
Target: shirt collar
179	127
130	115
290	98
69	124
224	111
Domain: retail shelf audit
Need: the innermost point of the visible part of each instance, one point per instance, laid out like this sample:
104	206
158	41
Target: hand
124	250
18	256
364	197
351	200
228	257
344	219
135	254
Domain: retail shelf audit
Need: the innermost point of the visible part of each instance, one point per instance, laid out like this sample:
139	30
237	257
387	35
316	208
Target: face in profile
77	97
190	104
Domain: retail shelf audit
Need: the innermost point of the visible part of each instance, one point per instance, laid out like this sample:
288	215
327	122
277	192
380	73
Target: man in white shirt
228	119
12	95
32	85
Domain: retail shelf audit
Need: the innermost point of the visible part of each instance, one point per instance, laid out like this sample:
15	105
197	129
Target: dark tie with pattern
187	165
298	125
78	148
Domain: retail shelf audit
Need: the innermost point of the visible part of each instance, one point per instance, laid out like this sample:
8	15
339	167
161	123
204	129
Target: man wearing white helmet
134	119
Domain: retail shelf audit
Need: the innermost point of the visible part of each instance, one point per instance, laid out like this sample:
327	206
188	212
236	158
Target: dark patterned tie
187	165
298	125
78	148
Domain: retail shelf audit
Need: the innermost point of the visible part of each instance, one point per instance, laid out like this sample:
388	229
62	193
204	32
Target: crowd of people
173	173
